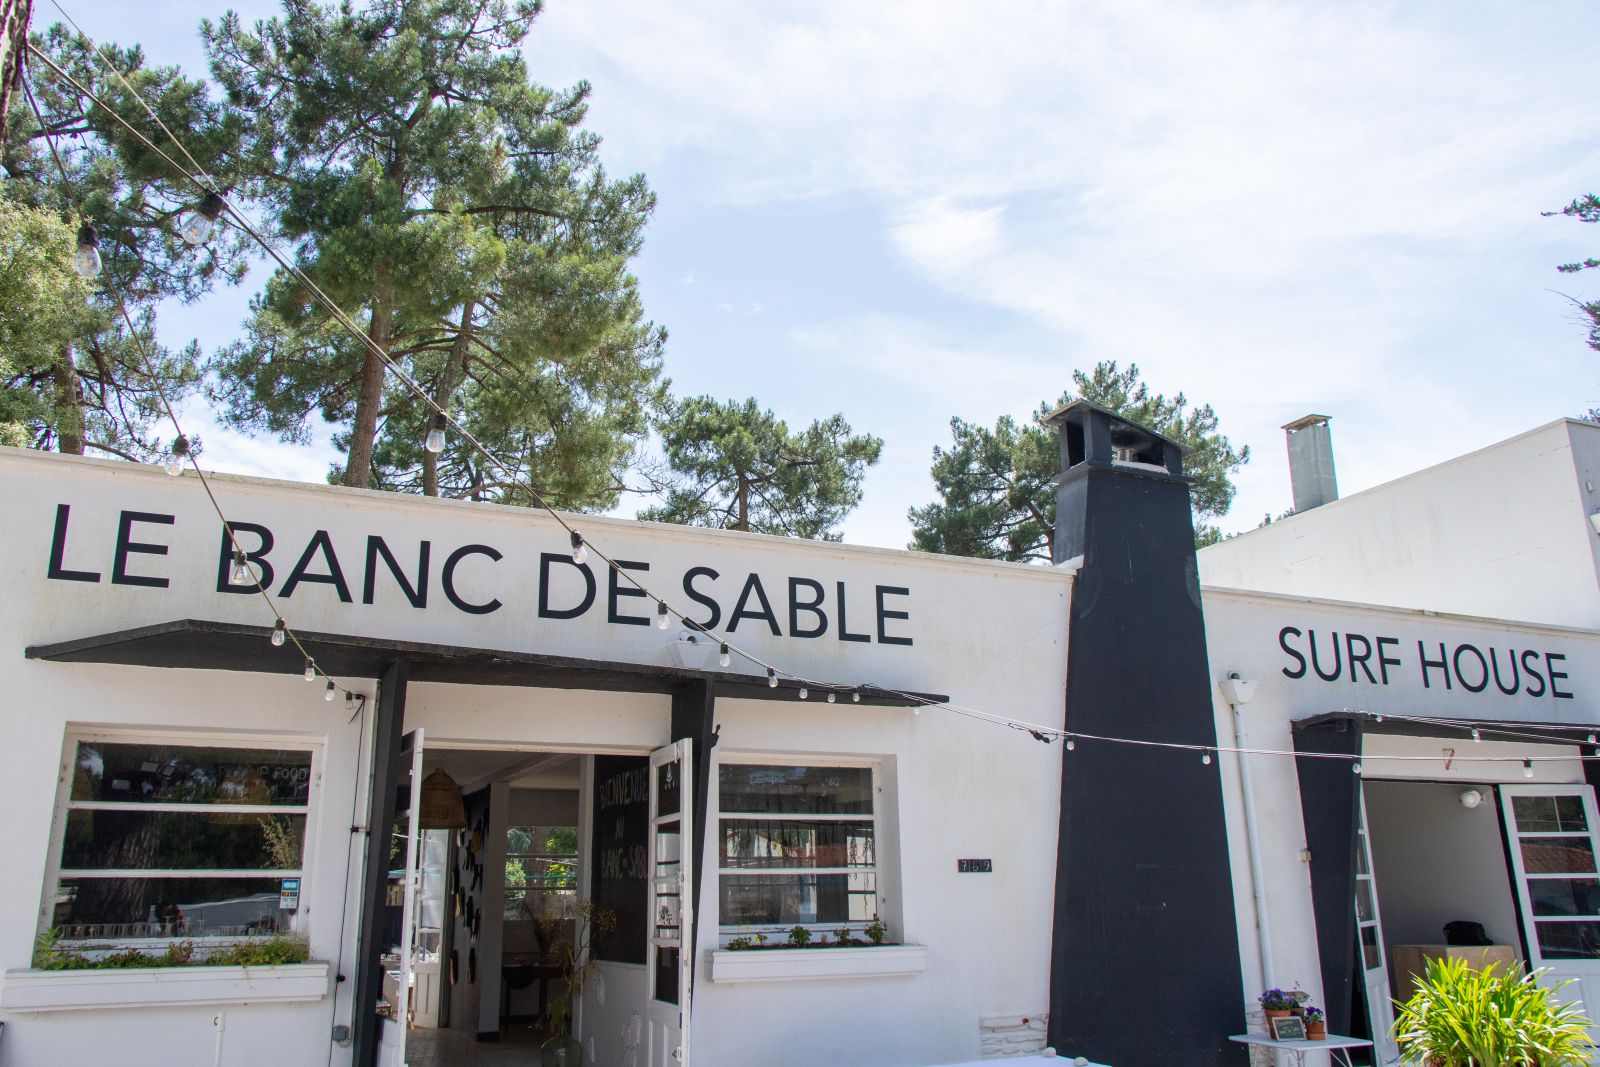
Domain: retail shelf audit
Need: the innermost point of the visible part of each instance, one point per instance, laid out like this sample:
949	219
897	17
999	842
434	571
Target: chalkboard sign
621	853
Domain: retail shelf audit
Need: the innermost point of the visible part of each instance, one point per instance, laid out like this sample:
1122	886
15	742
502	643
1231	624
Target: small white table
1334	1044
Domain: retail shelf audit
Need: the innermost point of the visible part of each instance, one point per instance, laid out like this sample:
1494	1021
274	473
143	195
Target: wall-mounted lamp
1236	690
1471	798
693	650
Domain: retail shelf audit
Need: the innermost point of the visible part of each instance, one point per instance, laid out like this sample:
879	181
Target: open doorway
511	869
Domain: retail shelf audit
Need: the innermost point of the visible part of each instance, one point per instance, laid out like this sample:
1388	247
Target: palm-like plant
1464	1017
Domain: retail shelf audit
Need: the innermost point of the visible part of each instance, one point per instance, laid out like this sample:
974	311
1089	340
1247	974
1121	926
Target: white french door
671	906
1369	939
1551	829
393	1026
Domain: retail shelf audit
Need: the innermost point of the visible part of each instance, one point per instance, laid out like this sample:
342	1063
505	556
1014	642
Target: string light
804	693
177	455
198	224
579	552
241	571
1591	739
328	693
663	619
311	670
435	440
724	659
1355	768
830	696
1476	736
1071	744
1527	768
855	696
280	633
1205	757
349	701
87	262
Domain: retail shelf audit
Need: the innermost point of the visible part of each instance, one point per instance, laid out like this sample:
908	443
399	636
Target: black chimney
1145	959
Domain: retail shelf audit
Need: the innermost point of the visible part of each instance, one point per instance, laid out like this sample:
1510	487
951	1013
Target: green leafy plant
738	943
1461	1016
799	937
843	934
49	954
595	922
876	933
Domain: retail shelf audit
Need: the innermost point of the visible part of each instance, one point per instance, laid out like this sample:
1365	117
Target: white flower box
150	987
784	964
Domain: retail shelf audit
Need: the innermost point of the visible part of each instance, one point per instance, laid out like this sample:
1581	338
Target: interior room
496	918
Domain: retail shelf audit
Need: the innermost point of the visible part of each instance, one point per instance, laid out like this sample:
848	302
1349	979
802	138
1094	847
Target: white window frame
155	735
777	933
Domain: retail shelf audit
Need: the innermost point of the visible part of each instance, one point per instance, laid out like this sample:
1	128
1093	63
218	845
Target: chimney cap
1061	413
1306	420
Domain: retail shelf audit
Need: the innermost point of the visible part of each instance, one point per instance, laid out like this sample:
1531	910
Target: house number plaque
974	866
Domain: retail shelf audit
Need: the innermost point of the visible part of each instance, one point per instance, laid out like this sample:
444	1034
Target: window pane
1569	941
796	843
1564	896
755	900
181	774
796	790
1371	956
669	849
1558	855
1549	814
1363	900
103	840
170	907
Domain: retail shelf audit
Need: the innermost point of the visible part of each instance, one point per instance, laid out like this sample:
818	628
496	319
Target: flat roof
200	644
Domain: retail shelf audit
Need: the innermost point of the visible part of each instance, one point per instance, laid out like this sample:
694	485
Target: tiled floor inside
518	1047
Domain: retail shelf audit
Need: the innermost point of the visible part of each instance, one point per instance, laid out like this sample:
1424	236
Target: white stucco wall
1499	533
992	636
1244	632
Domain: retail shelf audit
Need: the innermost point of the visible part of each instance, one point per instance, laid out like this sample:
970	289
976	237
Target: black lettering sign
126	546
58	551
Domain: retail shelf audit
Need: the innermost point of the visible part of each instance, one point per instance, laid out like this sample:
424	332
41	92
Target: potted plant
1278	1003
1316	1023
578	965
1461	1016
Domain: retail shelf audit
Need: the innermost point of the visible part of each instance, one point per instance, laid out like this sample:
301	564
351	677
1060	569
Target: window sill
785	964
154	987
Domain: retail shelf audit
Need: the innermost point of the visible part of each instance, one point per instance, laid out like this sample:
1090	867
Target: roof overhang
1372	722
204	645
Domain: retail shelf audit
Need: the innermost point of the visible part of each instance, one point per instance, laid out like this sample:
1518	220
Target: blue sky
909	211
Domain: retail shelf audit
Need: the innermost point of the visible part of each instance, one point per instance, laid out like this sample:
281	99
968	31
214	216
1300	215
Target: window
797	846
168	839
541	871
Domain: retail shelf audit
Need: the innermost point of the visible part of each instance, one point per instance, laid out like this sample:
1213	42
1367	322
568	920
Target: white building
174	778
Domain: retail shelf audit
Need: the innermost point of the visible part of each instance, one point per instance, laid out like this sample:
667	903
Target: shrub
799	937
1464	1017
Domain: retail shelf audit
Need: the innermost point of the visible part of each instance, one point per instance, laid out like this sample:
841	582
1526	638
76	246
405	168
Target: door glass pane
1363	901
668	801
796	790
667	974
1562	814
667	921
796	843
1371	957
787	900
1558	855
669	849
1564	896
1361	855
1569	940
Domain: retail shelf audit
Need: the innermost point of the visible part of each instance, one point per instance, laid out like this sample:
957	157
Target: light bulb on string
772	678
435	440
855	696
663	618
1071	744
1355	768
311	670
87	262
241	569
804	693
830	696
725	658
178	455
1591	739
197	225
349	701
1476	736
579	552
1205	757
280	634
1527	768
331	691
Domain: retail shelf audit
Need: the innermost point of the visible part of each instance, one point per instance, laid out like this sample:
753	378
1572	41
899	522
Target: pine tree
460	212
997	497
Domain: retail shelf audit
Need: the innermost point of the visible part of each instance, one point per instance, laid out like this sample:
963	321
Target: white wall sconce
1471	798
1236	690
694	651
